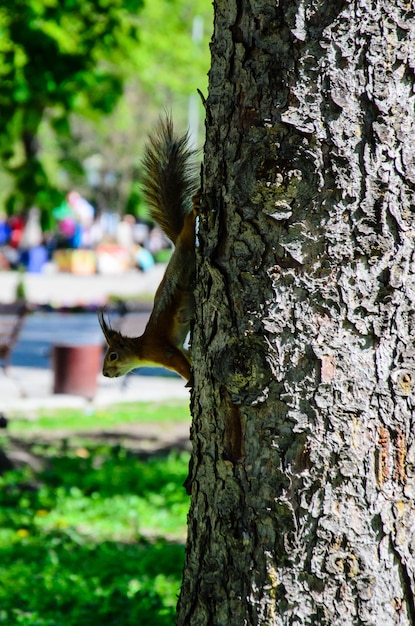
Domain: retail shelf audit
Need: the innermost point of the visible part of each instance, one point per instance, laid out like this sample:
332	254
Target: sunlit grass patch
102	417
92	539
64	580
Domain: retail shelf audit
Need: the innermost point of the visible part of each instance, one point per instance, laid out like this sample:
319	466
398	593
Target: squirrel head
121	355
151	349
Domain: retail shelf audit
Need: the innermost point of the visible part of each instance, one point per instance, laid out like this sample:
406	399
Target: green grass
96	536
68	584
103	417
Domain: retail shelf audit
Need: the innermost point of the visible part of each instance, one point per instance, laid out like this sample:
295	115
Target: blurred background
83	82
92	504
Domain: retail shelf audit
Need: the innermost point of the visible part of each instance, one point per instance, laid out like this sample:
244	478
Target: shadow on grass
94	538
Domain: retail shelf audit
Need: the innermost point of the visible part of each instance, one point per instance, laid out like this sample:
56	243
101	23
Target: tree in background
56	57
170	63
63	66
303	475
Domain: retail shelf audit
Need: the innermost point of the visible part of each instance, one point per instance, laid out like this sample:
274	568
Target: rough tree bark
302	471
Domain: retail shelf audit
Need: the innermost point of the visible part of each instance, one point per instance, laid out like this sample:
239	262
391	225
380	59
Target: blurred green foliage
65	65
57	56
173	55
96	537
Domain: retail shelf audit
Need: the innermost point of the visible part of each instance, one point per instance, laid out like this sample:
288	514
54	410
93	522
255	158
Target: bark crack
407	584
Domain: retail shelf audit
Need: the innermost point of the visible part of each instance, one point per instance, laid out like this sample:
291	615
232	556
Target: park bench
12	317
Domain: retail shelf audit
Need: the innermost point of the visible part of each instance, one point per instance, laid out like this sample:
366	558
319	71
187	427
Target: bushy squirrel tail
169	178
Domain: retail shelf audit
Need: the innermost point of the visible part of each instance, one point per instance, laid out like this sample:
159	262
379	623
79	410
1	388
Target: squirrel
169	184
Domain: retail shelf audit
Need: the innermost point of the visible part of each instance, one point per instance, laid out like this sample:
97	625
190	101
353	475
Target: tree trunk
302	473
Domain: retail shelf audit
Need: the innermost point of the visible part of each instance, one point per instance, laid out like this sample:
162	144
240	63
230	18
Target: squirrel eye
113	356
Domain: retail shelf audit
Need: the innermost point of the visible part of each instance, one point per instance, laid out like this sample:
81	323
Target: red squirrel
169	184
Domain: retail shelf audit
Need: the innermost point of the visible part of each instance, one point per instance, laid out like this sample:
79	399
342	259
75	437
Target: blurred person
156	241
65	226
33	253
84	214
141	233
96	231
125	232
32	235
5	230
12	231
16	225
144	260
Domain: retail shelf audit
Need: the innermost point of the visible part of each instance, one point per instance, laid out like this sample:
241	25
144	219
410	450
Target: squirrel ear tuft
105	326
